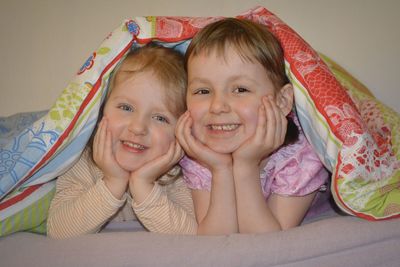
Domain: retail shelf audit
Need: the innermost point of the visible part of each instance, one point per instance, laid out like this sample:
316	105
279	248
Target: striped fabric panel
314	125
30	213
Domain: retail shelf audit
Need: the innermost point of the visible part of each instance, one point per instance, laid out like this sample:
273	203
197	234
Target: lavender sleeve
195	175
294	170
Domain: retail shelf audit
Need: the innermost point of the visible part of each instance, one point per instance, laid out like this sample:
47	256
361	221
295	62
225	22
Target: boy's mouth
223	127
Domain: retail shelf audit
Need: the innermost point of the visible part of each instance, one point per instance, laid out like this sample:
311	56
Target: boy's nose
219	104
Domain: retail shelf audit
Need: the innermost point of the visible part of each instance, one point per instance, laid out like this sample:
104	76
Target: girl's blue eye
161	119
125	107
201	92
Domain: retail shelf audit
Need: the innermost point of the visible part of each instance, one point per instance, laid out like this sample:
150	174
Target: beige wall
44	42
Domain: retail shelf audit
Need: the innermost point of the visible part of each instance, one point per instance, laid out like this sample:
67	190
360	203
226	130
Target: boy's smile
224	95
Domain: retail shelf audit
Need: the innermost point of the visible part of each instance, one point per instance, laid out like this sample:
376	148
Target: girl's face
223	97
141	125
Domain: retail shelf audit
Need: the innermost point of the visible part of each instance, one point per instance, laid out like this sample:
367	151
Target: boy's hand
195	149
115	177
270	135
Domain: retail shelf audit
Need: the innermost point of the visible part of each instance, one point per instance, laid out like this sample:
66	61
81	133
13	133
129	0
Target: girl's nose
219	104
138	126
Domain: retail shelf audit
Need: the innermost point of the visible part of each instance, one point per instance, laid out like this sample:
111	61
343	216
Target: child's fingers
107	147
281	123
278	123
261	124
176	155
179	131
271	121
179	153
96	139
191	144
187	138
99	140
166	161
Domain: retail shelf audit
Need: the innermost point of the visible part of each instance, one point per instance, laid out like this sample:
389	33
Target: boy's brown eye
201	92
241	90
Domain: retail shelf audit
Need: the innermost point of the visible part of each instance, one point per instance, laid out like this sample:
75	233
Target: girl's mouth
223	127
134	145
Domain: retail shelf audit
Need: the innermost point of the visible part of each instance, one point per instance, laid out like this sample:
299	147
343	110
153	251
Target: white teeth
224	127
134	145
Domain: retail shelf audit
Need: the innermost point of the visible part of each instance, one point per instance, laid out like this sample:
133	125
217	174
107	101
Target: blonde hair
168	66
252	41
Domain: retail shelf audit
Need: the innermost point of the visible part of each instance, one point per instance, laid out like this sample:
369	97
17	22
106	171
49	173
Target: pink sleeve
195	175
295	170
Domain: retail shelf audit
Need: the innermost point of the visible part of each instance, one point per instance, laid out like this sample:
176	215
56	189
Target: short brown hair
252	41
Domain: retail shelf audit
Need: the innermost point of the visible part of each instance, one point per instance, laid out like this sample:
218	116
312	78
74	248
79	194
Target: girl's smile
141	125
134	147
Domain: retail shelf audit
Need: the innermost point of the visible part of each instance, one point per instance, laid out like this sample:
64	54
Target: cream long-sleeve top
83	204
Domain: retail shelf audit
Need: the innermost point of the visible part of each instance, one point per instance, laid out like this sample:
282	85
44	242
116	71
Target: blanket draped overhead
356	136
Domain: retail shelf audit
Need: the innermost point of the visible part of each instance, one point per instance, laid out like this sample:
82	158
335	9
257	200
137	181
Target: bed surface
334	241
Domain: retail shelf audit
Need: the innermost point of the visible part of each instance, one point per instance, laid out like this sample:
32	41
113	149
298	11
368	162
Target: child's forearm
158	213
140	189
254	215
220	217
74	213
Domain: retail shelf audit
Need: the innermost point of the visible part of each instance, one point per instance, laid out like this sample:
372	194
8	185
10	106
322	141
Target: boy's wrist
244	163
246	169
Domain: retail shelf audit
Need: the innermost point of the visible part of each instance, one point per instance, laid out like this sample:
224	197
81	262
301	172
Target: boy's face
141	125
223	97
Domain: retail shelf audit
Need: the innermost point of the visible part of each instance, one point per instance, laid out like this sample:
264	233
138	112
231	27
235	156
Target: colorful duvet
356	136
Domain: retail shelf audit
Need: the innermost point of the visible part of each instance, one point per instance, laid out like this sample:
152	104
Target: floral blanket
356	136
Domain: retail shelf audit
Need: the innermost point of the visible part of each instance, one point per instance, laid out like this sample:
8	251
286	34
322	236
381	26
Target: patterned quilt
355	135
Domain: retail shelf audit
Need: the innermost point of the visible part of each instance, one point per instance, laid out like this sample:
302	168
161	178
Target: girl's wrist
116	186
140	180
140	188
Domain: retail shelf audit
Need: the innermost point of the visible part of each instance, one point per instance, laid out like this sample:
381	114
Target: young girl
118	175
239	128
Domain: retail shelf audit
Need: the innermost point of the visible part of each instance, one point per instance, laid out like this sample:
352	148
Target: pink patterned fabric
293	170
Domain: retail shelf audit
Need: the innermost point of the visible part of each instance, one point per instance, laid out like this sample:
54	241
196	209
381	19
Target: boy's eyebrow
231	79
198	80
243	76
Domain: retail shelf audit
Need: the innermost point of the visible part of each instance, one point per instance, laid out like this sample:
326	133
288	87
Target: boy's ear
284	98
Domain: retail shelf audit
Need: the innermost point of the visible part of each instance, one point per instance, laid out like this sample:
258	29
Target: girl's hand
157	167
142	180
195	149
115	177
270	134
